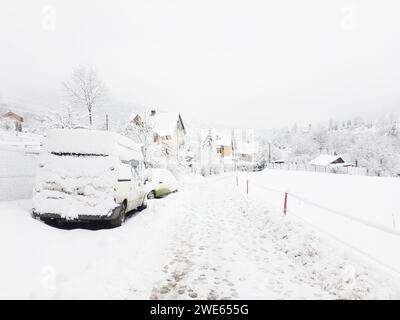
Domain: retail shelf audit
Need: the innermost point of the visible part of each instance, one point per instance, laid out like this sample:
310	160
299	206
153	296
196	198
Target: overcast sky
248	63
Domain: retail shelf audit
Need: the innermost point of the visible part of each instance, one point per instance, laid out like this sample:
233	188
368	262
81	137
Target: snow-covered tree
320	136
261	157
141	131
85	89
66	118
377	153
303	148
208	144
340	141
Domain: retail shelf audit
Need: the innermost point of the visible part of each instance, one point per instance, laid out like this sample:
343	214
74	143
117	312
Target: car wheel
120	219
144	204
151	195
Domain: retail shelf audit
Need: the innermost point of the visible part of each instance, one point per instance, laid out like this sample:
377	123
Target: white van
87	176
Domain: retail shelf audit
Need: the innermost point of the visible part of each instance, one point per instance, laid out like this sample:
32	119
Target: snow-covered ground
373	202
208	241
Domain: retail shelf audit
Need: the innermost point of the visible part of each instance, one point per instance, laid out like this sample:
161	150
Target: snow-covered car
88	176
160	183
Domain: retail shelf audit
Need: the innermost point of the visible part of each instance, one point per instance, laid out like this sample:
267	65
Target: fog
241	63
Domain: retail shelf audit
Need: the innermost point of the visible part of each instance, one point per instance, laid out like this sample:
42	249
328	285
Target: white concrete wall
17	173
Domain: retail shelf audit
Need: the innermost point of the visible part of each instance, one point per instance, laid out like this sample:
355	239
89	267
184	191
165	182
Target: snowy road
208	241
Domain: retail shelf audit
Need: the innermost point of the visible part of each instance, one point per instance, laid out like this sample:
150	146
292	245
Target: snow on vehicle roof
84	141
20	145
159	173
324	160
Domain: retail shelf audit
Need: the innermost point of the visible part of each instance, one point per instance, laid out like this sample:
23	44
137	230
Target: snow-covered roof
249	148
163	123
325	160
133	116
13	115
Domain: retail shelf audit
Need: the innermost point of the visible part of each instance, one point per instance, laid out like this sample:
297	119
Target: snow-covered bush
65	118
7	124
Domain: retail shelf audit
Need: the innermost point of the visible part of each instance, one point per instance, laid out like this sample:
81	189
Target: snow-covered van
87	176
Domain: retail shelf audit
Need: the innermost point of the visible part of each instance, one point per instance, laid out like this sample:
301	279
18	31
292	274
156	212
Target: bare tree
140	129
209	143
85	89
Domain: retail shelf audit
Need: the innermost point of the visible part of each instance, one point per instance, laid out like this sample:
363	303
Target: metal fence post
285	204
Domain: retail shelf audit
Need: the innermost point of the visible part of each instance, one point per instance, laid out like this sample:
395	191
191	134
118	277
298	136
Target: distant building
246	151
325	160
166	126
223	143
245	146
17	119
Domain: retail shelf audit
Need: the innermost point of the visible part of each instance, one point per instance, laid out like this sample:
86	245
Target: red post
285	204
247	186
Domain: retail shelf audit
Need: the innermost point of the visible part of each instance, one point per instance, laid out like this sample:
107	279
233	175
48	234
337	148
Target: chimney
153	113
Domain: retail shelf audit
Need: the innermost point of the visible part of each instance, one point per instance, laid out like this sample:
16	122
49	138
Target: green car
160	183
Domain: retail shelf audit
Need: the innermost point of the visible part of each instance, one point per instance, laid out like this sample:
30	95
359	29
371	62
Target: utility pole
269	152
107	122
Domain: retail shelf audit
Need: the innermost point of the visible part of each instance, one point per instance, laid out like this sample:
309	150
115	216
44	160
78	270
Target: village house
17	119
326	160
223	143
246	151
230	144
245	145
166	126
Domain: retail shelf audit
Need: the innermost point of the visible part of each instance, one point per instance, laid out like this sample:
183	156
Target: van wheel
120	219
144	204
